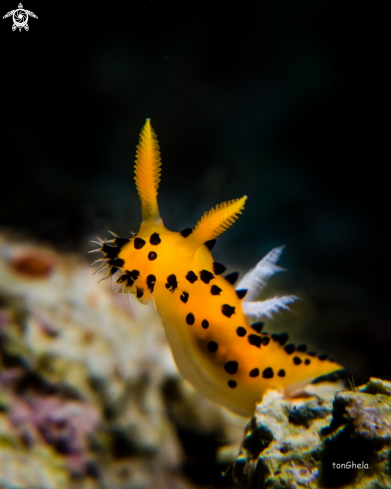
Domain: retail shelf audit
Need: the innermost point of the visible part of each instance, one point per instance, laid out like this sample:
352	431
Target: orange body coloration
214	345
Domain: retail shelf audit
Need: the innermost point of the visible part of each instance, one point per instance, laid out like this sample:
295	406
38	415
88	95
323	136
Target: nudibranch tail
147	172
218	220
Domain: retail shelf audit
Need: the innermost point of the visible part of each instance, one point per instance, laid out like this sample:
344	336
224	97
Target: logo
20	17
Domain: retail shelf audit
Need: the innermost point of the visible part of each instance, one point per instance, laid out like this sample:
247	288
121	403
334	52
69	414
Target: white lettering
350	465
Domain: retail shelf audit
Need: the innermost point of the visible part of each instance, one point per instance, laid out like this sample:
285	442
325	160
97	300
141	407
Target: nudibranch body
205	318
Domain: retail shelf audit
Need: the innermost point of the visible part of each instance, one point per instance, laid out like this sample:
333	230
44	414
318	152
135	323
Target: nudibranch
209	323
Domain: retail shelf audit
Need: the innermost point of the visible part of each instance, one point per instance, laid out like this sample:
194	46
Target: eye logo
20	17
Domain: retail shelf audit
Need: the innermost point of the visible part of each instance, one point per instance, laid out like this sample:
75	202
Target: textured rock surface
305	442
89	394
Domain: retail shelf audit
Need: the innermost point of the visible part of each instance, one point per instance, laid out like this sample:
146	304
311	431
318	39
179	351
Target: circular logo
20	18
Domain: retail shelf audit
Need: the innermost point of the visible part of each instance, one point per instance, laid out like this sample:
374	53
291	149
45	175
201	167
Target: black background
282	101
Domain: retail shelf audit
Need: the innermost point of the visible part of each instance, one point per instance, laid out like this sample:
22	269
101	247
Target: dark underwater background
281	101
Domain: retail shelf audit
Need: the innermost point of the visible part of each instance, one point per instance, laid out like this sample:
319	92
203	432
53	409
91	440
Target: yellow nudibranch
216	348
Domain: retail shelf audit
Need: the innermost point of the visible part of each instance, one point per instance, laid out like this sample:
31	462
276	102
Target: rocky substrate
312	443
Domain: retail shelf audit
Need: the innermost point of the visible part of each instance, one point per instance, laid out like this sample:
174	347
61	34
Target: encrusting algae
206	318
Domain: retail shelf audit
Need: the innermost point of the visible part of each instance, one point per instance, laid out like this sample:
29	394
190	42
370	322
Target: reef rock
314	443
89	393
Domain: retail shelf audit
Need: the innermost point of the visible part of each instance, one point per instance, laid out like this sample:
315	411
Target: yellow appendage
147	172
217	220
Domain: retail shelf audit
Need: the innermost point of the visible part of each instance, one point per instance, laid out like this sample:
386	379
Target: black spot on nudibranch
172	283
116	262
218	268
190	319
109	251
281	373
140	292
205	324
265	340
307	361
138	243
215	290
113	270
152	255
155	239
268	373
184	297
231	367
297	360
232	384
186	232
212	346
210	244
133	274
191	277
302	347
241	293
121	279
206	276
227	310
254	372
232	277
151	280
121	242
129	279
255	340
290	348
322	357
240	331
257	327
312	354
281	338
